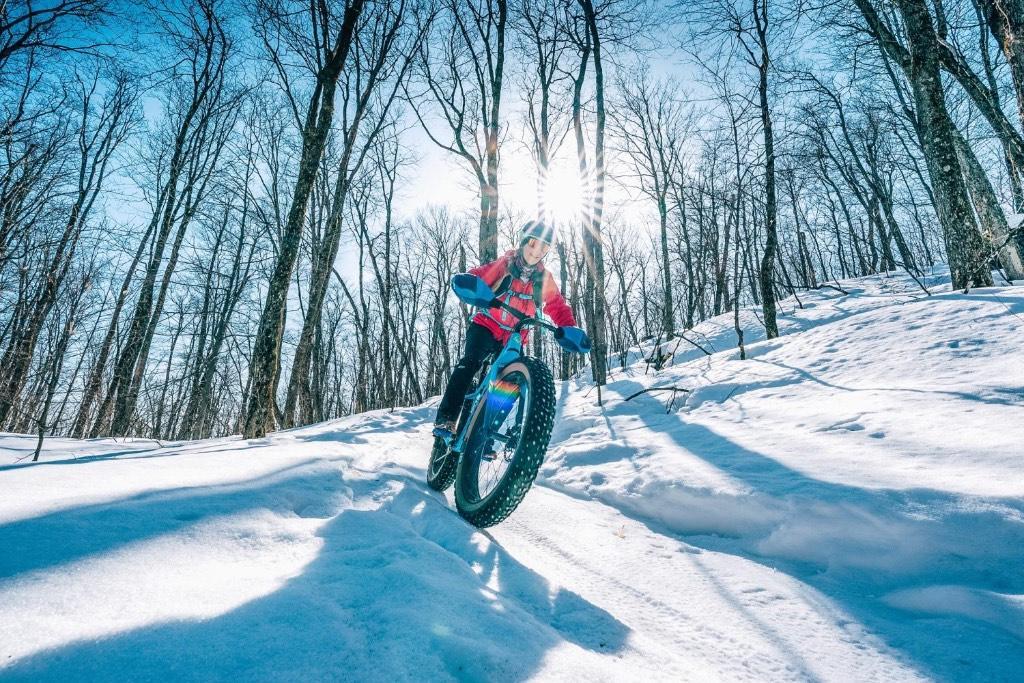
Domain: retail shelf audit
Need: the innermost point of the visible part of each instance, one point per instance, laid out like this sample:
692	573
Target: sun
559	197
562	195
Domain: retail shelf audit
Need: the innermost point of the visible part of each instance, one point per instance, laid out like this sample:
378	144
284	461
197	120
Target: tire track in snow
698	613
671	631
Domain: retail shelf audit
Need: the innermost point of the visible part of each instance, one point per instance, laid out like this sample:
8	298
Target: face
534	251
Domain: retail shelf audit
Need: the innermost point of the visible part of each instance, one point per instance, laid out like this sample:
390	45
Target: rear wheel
507	439
443	460
442	466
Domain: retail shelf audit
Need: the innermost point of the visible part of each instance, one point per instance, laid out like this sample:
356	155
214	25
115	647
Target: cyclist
529	286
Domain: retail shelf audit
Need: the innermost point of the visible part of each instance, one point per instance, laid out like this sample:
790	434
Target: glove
577	342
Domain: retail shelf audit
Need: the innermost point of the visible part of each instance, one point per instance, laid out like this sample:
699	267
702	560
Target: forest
208	224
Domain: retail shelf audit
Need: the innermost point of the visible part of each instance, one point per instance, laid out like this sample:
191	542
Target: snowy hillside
845	504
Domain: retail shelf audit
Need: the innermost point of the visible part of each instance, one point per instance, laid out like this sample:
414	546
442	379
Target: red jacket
520	297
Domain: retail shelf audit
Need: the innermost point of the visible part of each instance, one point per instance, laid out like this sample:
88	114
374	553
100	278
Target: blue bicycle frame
474	291
509	353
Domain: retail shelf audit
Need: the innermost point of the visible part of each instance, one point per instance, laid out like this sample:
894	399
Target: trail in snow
848	504
186	583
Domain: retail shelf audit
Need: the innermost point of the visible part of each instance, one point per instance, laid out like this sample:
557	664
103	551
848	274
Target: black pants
479	344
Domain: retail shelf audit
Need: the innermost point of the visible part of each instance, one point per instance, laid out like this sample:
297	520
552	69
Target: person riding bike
530	286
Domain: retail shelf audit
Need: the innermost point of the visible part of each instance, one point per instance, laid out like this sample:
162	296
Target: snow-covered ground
845	504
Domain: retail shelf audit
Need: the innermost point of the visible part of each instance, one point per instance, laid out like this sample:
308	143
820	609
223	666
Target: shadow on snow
404	591
834	537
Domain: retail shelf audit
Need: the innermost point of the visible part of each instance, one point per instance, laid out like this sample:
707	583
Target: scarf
521	269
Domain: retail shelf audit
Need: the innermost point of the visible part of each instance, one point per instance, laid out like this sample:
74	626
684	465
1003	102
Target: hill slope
847	503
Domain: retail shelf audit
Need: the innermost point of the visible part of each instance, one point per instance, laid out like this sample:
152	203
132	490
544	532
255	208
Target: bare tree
758	31
102	128
651	129
328	61
588	41
200	128
384	51
920	63
465	82
222	294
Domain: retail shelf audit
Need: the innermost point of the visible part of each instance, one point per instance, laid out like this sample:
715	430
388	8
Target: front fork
512	350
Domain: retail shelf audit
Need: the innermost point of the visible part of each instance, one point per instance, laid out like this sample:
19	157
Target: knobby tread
522	471
442	466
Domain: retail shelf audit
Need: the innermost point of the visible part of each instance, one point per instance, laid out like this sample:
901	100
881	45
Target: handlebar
473	291
524	320
576	342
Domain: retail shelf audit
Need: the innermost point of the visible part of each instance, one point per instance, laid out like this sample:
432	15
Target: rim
504	413
437	464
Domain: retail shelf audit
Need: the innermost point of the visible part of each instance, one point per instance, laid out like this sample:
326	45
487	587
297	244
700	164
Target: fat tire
522	470
440	477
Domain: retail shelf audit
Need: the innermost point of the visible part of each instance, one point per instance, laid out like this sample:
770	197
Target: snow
845	504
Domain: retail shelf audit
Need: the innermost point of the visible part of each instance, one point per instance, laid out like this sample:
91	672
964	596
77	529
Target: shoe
444	429
489	454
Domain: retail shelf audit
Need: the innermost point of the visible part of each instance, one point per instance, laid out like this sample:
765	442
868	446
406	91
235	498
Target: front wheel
507	438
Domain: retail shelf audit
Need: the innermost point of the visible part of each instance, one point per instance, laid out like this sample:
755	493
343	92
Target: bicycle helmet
538	230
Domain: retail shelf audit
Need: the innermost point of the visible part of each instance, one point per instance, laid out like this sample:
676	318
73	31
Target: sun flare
562	195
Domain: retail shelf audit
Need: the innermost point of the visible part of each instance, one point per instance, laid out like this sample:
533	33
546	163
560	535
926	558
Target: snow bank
845	504
877	442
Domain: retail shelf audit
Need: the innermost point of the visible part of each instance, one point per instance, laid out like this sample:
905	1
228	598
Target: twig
835	287
653	389
672	358
654	353
668	408
684	338
675	391
911	274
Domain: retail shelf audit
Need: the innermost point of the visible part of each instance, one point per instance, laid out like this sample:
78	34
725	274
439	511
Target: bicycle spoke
502	417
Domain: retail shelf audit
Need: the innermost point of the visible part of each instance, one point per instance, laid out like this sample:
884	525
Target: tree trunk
991	218
489	227
265	364
771	244
592	241
965	247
